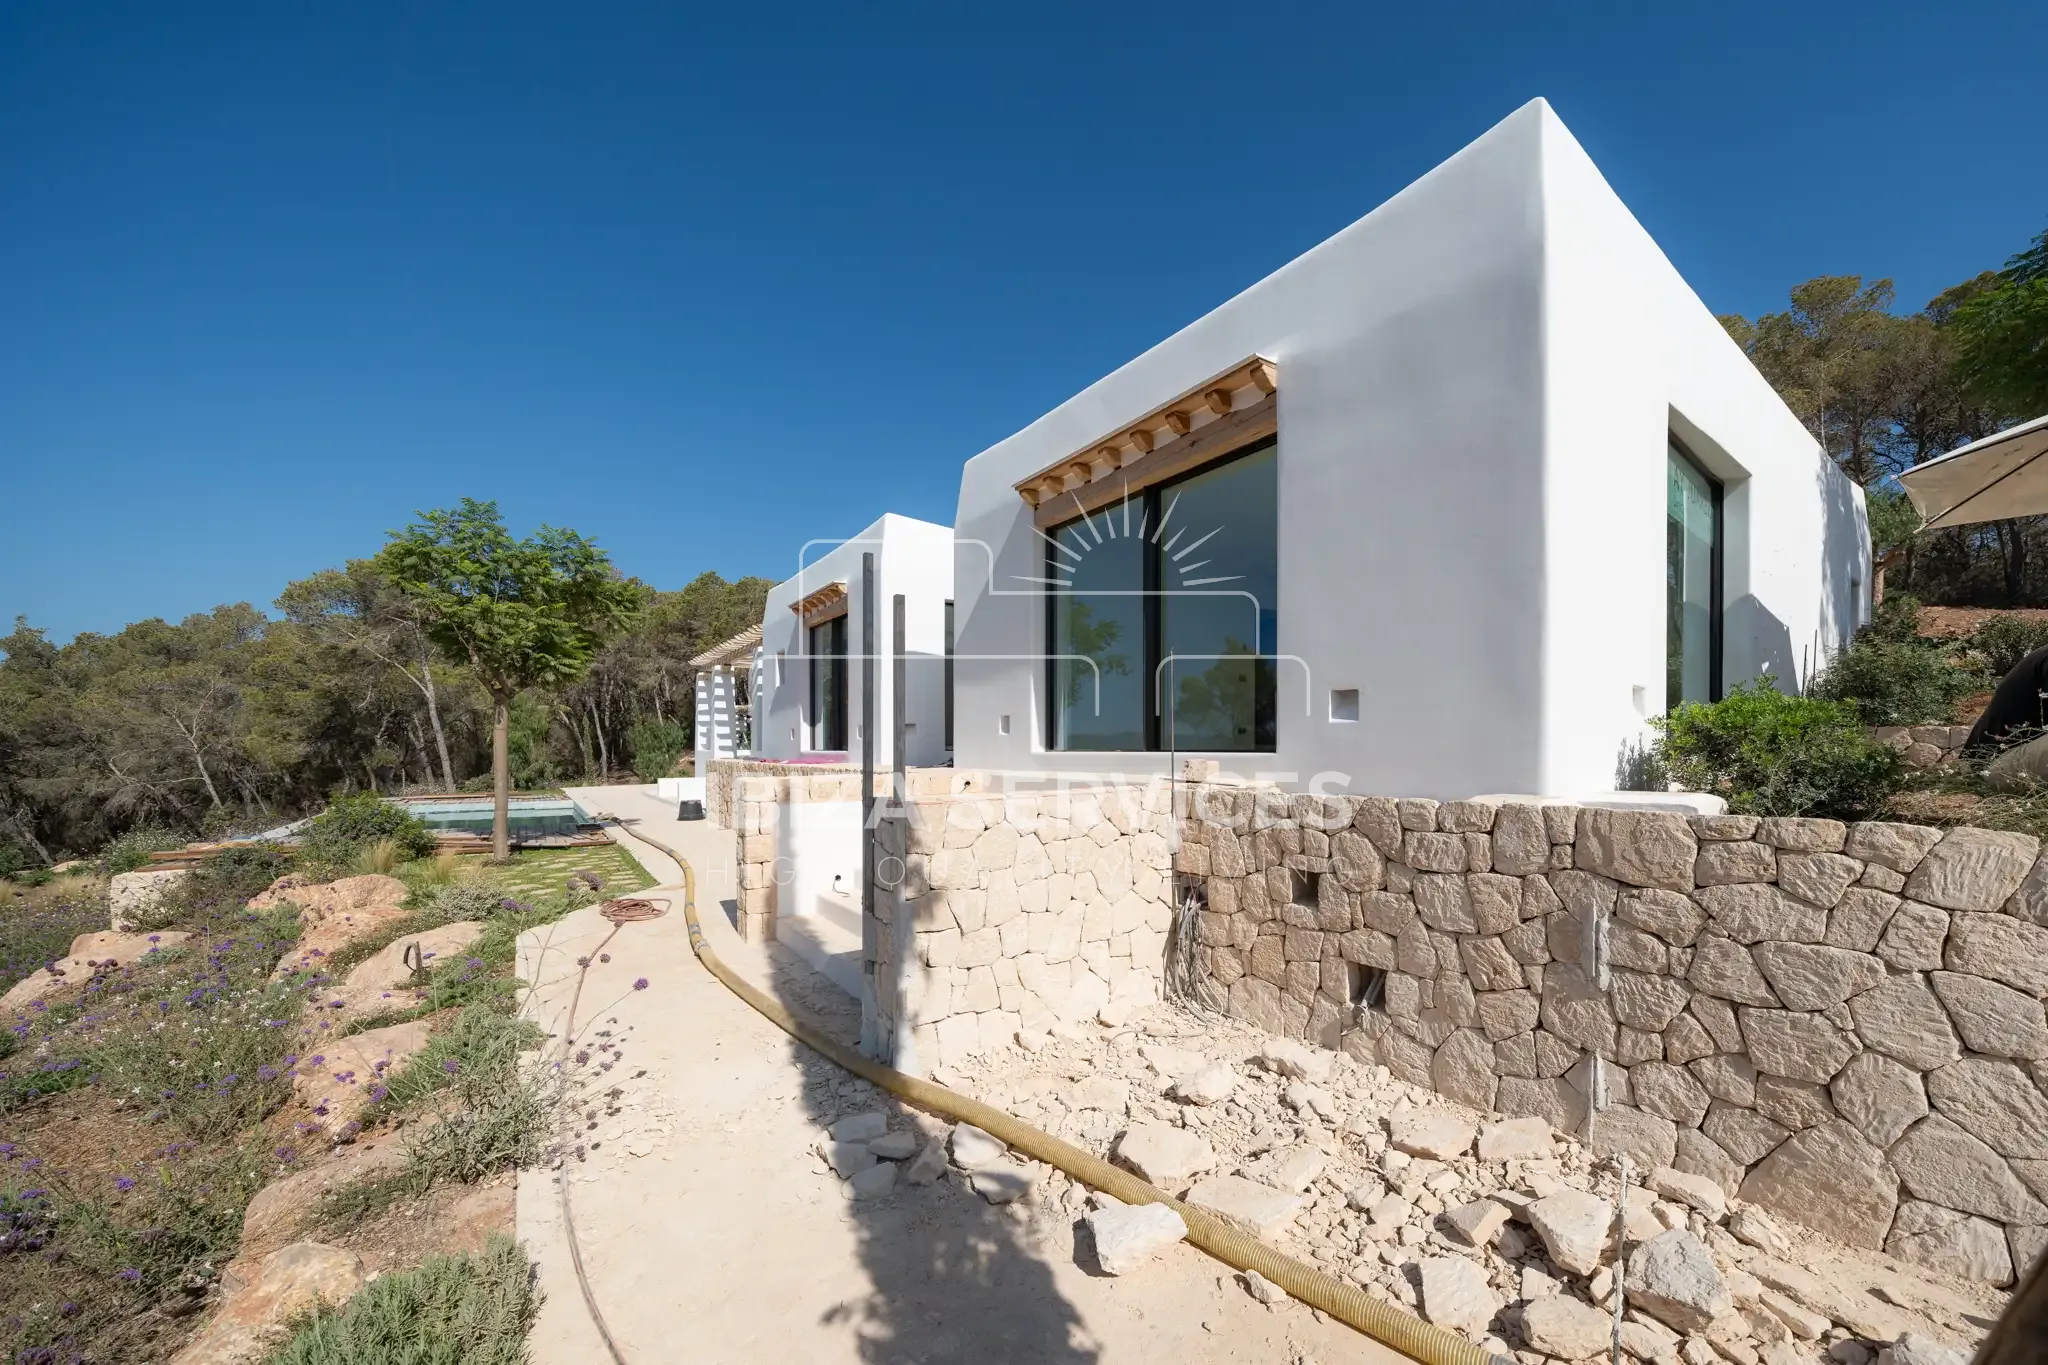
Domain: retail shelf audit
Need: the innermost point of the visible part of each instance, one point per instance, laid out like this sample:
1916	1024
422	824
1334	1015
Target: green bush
449	1310
350	824
1894	679
1772	754
2003	641
131	851
656	745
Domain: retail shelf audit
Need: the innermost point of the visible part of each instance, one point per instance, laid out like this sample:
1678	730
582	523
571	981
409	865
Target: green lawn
542	872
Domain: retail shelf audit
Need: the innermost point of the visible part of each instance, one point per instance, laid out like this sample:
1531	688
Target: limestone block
1166	1156
1992	1018
2030	901
1488	965
1729	1077
1858	920
1830	1179
1650	1140
1670	1092
1496	902
1723	826
1805	1047
1817	878
1942	1164
2000	947
1574	1227
2028	1242
1744	1134
1973	869
1416	813
1520	843
1647	1002
1127	1236
1567	1328
1881	878
1728	864
1463	1069
1667	914
1914	936
1903	1020
1726	970
1456	1294
1539	898
1515	1056
1880	1097
1632	948
1896	846
1431	852
1694	1191
1504	1014
1640	848
1718	1016
1552	1099
1672	1277
1554	1056
1793	1104
1930	1235
1995	1102
1633	1046
1754	912
1527	943
1260	1209
1700	1155
1812	977
1575	1010
1687	1040
1801	835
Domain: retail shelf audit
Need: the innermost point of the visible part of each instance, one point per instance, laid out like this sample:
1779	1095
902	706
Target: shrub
351	825
2003	641
37	933
131	851
449	1310
1897	680
656	745
1772	754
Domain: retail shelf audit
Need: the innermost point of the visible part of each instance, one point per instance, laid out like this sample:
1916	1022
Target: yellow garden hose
1403	1332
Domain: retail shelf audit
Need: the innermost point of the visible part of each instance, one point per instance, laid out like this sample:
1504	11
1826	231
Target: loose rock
1128	1236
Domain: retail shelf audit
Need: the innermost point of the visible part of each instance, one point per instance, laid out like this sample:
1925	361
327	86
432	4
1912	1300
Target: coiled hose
1384	1323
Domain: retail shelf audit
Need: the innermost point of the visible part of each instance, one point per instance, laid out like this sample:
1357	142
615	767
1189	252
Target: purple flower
641	984
286	1154
69	1310
378	1092
131	1274
451	1066
124	1183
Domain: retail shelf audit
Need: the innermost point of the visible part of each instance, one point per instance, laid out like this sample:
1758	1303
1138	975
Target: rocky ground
1498	1229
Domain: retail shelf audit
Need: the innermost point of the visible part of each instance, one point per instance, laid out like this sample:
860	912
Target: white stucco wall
912	557
1475	382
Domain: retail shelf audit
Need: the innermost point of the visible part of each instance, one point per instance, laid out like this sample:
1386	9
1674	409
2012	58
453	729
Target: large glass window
1692	581
1163	617
828	684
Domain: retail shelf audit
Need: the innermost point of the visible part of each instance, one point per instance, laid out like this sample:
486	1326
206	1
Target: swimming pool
529	817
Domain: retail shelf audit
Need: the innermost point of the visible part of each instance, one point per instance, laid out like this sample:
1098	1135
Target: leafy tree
2002	333
519	613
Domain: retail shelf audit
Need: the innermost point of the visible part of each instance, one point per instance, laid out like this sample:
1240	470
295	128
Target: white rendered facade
914	558
1477	387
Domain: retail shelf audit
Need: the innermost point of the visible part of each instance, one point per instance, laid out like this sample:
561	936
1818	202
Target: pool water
529	817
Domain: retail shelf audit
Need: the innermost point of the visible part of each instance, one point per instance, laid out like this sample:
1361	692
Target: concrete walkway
710	1234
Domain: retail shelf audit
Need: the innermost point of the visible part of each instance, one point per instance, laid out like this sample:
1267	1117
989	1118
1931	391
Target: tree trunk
604	759
434	719
501	779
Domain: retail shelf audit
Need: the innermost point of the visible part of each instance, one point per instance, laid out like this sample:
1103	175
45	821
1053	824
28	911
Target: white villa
808	698
1452	504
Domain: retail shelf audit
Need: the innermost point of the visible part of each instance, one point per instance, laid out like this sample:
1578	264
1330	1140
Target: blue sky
272	277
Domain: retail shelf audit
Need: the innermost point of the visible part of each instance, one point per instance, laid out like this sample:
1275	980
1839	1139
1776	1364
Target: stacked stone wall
1840	1022
1003	915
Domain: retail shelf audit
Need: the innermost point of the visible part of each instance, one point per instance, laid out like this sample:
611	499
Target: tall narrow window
1692	581
828	684
949	675
1162	614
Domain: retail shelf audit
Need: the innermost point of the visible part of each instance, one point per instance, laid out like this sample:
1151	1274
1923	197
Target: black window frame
1266	698
1715	558
822	726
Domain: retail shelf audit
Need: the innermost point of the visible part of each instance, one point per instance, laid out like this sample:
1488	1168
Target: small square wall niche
1343	703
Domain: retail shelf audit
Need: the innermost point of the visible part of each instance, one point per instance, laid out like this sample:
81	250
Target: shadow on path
955	1277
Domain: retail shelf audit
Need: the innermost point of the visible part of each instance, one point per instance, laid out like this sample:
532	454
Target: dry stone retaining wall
1009	914
1841	1023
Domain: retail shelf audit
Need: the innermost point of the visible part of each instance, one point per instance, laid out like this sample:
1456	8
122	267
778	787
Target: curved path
710	1233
